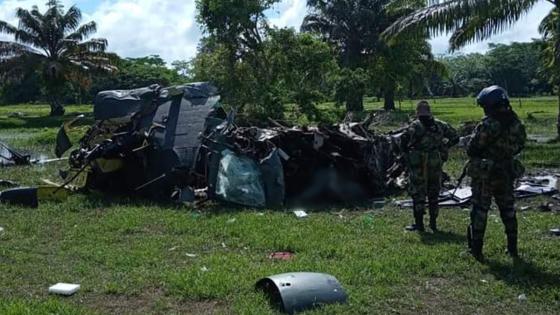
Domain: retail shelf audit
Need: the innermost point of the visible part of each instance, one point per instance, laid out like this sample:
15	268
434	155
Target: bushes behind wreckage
165	143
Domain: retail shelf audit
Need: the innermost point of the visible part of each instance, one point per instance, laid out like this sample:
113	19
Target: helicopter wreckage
179	144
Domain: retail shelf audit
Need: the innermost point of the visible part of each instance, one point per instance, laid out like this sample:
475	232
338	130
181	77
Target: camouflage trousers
425	183
501	189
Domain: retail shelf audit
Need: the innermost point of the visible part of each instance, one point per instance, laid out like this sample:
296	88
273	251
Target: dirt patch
153	302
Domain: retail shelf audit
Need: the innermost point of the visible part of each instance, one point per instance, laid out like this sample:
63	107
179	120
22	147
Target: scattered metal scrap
530	186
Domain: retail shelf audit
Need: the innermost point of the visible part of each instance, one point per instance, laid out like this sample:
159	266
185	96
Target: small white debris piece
224	245
1	229
172	249
65	289
191	255
522	297
204	269
301	214
230	221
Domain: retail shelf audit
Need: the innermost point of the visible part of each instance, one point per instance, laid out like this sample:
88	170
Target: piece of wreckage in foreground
173	143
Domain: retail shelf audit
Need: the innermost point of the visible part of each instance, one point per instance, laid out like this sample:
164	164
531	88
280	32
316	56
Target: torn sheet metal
538	185
299	291
343	162
147	141
12	157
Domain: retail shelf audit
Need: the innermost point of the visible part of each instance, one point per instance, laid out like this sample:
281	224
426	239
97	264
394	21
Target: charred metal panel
300	291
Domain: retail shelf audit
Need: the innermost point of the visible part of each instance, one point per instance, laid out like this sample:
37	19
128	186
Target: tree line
345	50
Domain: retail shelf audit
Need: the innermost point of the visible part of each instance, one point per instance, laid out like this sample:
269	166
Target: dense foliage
346	50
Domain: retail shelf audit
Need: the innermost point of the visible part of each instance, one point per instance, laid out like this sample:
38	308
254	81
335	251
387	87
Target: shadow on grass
523	274
442	237
43	121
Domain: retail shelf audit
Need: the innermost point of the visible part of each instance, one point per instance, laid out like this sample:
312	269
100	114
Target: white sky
137	28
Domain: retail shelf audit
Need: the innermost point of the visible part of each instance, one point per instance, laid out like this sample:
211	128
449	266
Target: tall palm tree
354	27
477	20
54	44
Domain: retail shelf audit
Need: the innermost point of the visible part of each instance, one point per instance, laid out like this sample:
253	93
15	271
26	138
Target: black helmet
493	97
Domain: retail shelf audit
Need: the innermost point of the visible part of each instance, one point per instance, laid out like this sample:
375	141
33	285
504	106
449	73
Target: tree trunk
56	107
355	102
389	99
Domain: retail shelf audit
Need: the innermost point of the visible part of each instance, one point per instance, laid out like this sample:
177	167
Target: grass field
130	256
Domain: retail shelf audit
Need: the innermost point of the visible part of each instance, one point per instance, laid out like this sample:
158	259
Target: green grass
130	256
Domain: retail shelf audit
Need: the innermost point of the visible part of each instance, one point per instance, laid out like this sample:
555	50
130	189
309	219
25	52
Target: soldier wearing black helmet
497	140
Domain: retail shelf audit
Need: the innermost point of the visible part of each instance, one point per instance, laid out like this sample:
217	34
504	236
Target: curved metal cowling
300	291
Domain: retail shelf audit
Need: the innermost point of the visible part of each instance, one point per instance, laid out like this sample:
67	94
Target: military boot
476	250
434	213
512	246
475	246
418	225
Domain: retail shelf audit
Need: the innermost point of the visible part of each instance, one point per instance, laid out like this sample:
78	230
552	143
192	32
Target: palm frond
468	20
71	20
549	25
7	28
29	22
11	49
83	32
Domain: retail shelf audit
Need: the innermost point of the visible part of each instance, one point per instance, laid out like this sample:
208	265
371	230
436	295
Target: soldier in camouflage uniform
424	142
493	167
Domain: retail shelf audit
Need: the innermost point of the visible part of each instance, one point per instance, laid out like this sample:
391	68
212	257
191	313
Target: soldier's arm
479	141
405	140
521	138
452	135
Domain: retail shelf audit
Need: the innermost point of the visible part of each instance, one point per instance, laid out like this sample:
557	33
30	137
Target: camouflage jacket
418	137
494	146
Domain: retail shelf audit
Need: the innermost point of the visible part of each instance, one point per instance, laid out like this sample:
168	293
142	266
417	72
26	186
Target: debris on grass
1	230
531	186
522	298
65	289
555	232
550	206
300	214
231	221
204	269
191	255
379	204
285	256
300	291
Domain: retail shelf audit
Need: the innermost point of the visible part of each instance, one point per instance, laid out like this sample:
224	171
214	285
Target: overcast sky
167	27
